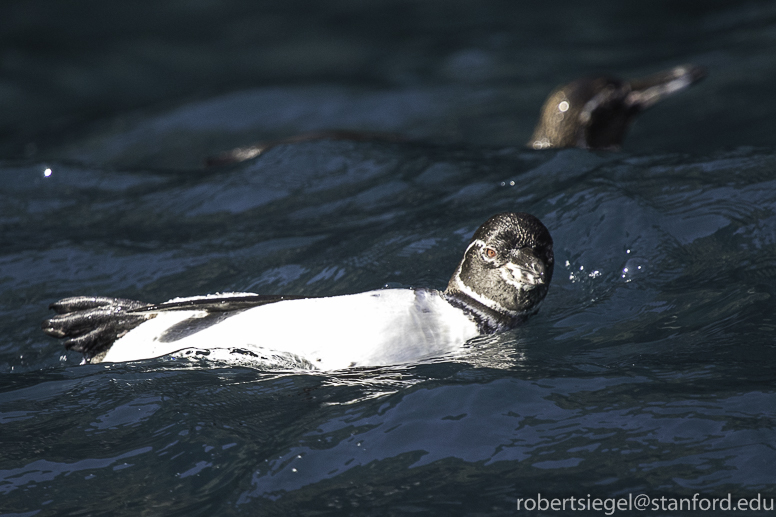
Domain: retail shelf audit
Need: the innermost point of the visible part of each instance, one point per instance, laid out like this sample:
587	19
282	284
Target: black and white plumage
503	276
596	112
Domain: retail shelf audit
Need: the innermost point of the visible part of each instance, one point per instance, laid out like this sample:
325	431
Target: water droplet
633	267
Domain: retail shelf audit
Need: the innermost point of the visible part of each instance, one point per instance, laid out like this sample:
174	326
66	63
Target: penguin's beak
527	269
647	91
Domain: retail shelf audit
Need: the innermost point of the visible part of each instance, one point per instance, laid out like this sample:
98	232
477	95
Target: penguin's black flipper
91	324
646	91
215	303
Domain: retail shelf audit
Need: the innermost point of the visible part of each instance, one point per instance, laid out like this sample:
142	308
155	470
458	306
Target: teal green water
648	370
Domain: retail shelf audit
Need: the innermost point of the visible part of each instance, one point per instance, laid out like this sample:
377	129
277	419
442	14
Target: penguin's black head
595	113
586	113
506	269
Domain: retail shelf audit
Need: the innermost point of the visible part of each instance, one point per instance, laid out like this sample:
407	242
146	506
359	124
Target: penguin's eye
490	252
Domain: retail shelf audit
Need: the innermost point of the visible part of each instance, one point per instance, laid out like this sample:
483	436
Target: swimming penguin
595	113
503	276
240	154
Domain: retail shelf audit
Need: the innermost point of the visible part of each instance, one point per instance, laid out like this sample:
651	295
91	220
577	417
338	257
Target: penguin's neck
488	320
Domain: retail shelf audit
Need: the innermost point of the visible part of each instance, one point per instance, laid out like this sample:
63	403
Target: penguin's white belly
391	326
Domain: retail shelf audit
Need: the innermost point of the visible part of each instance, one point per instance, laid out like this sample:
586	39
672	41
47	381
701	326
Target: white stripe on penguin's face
487	302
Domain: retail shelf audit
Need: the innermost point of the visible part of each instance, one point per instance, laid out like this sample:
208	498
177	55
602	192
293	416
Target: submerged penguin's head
595	113
506	269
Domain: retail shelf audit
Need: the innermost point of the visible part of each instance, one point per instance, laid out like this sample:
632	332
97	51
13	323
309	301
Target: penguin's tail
91	324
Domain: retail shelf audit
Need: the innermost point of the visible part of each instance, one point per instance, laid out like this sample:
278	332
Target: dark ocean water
649	369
